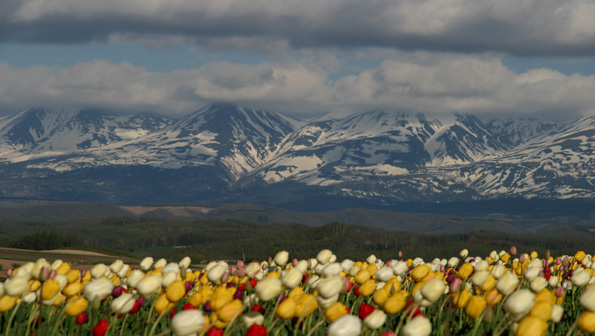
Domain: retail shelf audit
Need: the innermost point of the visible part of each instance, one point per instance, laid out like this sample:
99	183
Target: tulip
375	320
507	283
330	286
101	328
346	325
17	286
7	302
418	326
40	264
331	269
149	285
229	311
162	304
256	330
542	310
286	309
465	271
292	278
475	306
167	278
306	306
82	318
586	322
464	253
252	317
381	295
98	271
367	288
519	303
420	272
336	310
187	322
98	289
175	291
76	306
580	279
461	298
146	263
184	263
531	325
122	304
433	289
281	258
557	313
160	263
29	297
268	288
396	302
587	300
324	256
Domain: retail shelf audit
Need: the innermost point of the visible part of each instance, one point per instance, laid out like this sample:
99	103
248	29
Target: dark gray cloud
522	28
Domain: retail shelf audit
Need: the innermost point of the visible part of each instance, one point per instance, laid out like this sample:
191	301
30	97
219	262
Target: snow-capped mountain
242	154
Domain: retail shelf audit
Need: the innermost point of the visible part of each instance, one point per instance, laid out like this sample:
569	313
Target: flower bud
580	279
98	289
324	256
160	263
557	313
146	263
507	283
375	320
292	278
116	266
17	286
122	304
433	289
330	286
538	284
418	326
587	300
331	269
251	318
187	322
281	258
149	285
519	303
268	289
464	253
184	263
346	325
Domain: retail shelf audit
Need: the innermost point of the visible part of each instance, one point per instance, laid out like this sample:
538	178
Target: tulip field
503	293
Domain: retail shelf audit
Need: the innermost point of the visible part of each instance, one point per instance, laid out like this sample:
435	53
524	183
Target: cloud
420	82
521	28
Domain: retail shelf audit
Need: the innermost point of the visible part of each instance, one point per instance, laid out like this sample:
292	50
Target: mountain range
228	153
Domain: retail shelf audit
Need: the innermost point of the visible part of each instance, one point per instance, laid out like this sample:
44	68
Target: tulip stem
157	322
32	317
571	329
12	317
61	318
123	325
320	322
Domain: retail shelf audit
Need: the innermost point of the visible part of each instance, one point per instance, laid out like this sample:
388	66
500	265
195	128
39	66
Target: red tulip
82	318
213	331
365	310
256	330
101	328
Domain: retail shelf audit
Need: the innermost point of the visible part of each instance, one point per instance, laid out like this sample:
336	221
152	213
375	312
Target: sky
303	58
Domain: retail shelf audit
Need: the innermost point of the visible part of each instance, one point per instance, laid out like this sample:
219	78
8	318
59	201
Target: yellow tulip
73	275
396	302
335	311
49	289
229	311
372	268
465	271
381	295
505	257
493	297
546	296
531	326
34	285
286	309
7	302
76	306
586	322
489	284
419	272
220	298
542	310
579	256
274	275
296	293
195	299
367	288
461	298
362	276
306	306
162	304
64	268
72	289
175	291
475	306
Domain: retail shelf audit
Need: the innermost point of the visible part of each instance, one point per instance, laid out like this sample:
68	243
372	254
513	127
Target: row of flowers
500	294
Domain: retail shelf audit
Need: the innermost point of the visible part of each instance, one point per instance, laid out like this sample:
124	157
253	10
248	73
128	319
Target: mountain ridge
228	153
